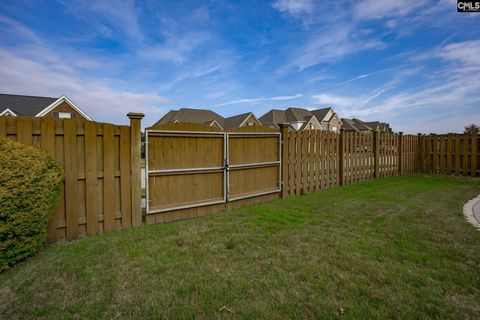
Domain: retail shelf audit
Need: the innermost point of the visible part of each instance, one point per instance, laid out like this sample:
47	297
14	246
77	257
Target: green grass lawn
391	248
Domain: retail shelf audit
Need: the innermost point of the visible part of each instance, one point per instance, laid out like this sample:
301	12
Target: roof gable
236	121
34	106
322	113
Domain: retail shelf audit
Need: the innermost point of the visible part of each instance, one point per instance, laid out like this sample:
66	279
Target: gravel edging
468	211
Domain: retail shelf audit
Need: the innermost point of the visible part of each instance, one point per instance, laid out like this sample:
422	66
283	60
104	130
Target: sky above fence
413	63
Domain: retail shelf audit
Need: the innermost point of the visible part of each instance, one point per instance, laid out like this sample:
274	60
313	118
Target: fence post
341	152
285	151
400	153
376	148
420	153
135	154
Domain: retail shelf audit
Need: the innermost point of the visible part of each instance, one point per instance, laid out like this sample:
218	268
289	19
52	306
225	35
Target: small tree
472	129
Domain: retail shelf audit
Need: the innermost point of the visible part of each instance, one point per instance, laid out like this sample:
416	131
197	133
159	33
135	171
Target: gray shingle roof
321	113
24	105
273	117
359	125
290	115
235	121
191	115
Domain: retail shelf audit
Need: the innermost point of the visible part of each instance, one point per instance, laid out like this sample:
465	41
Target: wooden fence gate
193	170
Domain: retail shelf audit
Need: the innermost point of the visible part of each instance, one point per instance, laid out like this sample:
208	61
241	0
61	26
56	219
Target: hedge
30	184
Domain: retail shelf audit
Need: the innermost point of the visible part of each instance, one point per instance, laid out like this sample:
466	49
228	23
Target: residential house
208	117
300	119
18	105
358	125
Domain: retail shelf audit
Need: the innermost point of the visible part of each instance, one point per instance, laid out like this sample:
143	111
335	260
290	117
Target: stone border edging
468	212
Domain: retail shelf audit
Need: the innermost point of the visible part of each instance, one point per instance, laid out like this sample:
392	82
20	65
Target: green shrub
30	183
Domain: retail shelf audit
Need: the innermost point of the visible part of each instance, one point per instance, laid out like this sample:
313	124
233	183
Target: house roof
24	105
373	124
348	125
191	115
321	113
273	117
236	121
290	115
362	126
359	125
297	114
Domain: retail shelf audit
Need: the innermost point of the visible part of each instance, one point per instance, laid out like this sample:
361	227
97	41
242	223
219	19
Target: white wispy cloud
99	98
467	52
372	9
253	100
296	8
109	18
330	45
430	105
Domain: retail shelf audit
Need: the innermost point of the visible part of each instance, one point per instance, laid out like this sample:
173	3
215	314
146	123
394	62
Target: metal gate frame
226	167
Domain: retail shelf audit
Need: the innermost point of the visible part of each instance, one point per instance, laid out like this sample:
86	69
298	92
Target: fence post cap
135	115
400	132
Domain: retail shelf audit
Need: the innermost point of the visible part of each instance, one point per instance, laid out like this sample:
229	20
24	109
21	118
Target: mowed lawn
391	248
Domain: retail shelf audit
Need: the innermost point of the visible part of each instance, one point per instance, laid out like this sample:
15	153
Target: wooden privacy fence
448	154
408	154
193	169
315	160
309	161
101	164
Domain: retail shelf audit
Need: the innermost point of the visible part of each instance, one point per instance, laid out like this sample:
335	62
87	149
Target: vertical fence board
465	152
434	153
457	154
473	156
91	176
311	149
108	178
449	153
284	171
376	158
317	160
442	154
291	163
47	144
71	188
24	130
3	127
298	163
304	162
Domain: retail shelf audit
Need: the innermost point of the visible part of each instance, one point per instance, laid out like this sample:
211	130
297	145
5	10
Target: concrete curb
469	214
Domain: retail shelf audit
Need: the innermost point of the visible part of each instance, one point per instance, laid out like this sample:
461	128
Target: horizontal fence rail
98	160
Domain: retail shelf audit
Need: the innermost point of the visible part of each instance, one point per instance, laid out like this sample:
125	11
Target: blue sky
413	63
